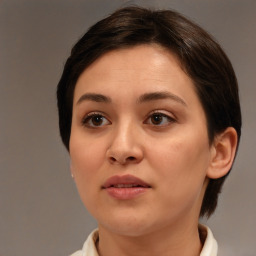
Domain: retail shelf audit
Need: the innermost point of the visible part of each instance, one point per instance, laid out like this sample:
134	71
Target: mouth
125	187
126	181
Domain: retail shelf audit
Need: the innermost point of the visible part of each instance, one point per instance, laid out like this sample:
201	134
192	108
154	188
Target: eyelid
93	113
163	112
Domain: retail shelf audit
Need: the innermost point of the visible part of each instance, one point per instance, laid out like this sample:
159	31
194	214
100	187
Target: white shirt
210	247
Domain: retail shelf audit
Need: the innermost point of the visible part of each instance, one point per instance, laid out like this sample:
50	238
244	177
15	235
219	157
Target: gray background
40	211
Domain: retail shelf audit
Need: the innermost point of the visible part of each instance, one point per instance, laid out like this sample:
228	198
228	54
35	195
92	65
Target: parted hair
201	58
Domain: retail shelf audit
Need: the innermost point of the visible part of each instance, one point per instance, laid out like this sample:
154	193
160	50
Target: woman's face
139	146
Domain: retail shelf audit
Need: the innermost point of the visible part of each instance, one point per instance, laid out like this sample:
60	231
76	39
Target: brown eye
159	119
95	120
156	119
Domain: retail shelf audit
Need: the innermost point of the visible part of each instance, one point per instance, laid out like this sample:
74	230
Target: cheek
181	162
85	164
86	159
181	171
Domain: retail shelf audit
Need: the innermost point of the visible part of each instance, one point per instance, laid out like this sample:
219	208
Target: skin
173	156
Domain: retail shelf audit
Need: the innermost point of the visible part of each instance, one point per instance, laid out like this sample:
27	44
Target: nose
125	146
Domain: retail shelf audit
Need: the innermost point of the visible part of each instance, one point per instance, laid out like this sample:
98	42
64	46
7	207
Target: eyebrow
146	97
94	97
160	96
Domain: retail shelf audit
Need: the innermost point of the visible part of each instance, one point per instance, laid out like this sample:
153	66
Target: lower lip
126	193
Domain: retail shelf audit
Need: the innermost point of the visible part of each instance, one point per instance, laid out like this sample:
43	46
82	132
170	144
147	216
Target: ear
222	153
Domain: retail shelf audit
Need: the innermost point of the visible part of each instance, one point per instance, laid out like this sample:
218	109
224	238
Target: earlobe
71	171
223	153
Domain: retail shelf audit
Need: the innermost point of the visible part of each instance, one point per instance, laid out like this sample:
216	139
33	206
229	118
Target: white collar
210	247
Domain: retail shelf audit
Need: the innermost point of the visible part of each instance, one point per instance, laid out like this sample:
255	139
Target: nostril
131	158
122	160
112	159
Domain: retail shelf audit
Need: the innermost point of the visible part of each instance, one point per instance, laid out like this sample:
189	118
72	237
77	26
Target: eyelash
88	119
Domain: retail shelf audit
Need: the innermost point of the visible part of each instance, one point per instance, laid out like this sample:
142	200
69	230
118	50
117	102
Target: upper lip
125	179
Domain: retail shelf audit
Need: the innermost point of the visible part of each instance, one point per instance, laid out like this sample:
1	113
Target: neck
169	241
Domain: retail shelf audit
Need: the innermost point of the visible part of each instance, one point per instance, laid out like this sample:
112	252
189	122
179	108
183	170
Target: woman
149	112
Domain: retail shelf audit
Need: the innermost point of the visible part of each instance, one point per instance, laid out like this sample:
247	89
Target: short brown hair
200	55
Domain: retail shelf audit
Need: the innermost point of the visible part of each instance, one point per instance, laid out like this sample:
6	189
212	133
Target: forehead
147	65
131	57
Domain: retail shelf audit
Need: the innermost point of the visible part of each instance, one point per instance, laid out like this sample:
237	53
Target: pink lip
125	187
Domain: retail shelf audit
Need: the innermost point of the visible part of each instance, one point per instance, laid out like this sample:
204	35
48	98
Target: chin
129	226
128	230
